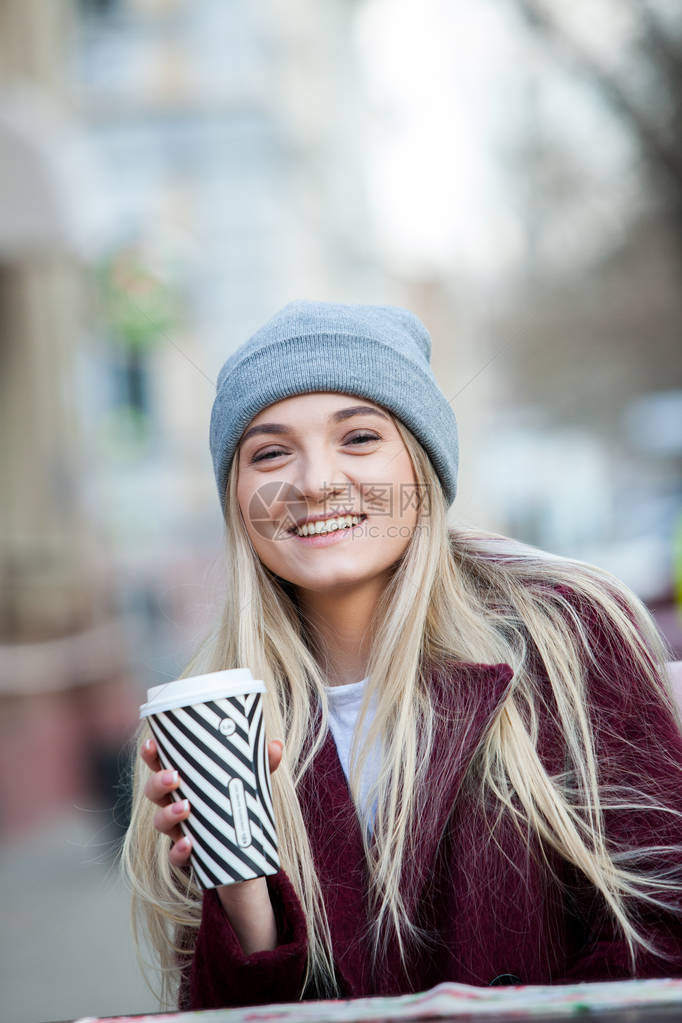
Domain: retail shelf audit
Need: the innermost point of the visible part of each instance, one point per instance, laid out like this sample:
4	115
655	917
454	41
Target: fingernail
148	745
180	806
169	777
184	844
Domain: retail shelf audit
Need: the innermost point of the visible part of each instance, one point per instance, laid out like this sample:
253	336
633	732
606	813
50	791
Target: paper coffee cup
210	729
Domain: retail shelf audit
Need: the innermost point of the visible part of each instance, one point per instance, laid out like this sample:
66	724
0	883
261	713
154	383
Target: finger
180	851
160	785
150	754
167	818
275	749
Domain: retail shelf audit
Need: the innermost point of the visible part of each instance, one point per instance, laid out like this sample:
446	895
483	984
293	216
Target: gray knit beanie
380	352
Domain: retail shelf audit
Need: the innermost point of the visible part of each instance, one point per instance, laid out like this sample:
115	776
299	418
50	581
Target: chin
320	582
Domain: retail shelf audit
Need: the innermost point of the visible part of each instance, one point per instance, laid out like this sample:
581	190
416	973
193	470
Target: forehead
318	403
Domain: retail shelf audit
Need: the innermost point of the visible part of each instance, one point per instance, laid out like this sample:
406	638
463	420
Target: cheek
245	492
254	530
403	482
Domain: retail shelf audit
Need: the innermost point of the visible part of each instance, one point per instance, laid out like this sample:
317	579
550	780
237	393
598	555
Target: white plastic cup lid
215	685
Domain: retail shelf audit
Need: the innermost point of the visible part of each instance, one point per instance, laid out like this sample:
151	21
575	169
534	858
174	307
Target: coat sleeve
639	754
219	974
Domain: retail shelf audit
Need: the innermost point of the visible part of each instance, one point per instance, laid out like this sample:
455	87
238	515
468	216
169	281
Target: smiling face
321	455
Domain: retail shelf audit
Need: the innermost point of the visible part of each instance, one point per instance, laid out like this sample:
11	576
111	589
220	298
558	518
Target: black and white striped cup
209	728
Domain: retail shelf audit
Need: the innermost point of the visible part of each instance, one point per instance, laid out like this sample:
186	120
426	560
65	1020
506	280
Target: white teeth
328	525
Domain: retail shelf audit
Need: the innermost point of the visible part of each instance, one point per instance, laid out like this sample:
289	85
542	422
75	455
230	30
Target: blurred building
584	453
224	123
63	653
202	190
590	463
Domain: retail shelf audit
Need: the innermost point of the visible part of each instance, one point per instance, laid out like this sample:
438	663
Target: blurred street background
174	171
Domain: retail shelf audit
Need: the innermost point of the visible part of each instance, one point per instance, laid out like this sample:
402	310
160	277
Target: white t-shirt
344	707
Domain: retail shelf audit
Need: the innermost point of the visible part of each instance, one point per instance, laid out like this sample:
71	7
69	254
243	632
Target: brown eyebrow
344	413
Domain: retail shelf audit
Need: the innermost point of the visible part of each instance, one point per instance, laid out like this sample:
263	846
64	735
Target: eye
272	453
359	438
362	437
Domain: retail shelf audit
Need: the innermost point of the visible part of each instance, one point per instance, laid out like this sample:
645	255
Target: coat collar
467	698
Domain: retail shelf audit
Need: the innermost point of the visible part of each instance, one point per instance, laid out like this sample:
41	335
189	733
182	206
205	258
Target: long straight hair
456	594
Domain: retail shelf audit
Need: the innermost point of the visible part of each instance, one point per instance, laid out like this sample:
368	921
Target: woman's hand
171	811
246	903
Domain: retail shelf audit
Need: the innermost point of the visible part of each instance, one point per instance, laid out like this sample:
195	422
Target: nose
319	477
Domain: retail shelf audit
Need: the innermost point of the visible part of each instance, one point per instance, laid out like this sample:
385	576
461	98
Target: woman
477	762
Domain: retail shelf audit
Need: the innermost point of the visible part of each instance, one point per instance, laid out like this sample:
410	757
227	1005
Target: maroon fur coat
494	909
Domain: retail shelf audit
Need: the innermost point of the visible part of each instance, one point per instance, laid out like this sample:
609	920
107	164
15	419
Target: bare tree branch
663	153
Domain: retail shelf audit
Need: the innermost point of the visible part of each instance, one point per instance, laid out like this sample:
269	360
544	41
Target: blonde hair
457	595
